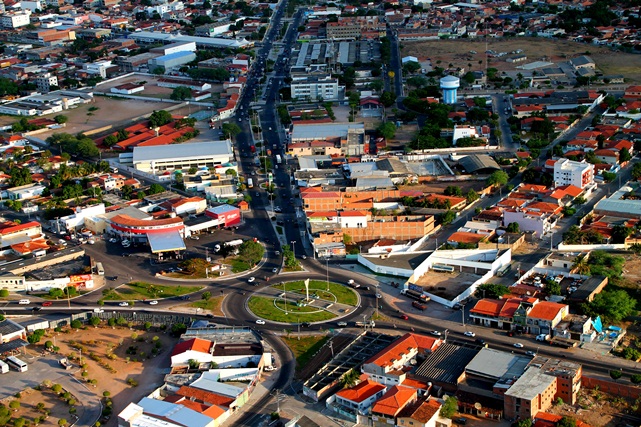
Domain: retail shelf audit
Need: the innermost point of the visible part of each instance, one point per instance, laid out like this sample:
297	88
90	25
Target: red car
46	303
404	317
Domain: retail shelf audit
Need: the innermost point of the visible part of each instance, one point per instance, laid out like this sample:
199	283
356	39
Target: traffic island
303	301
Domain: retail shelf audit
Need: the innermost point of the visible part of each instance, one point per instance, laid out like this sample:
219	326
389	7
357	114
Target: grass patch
214	305
305	348
238	266
143	290
290	269
279	229
264	307
344	294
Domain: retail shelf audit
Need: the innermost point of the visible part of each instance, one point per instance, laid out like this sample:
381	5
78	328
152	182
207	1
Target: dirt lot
457	53
597	409
440	186
30	409
151	86
131	355
446	285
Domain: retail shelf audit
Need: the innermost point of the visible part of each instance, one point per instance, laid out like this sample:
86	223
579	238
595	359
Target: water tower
449	85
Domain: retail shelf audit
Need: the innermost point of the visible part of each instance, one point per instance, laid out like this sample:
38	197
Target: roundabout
295	302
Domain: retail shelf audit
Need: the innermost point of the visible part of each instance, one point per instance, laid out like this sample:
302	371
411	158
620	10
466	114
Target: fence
611	387
577	248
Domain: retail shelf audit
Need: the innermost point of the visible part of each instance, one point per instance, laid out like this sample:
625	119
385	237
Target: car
342	324
47	304
469	334
379	296
435	333
113	240
530	353
460	421
277	253
274	270
98	310
260	322
124	304
306	324
36	308
480	341
194	237
154	302
113	278
91	241
304	257
404	317
277	209
518	345
251	280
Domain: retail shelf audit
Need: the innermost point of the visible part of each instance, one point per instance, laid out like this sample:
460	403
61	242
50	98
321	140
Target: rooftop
394	400
495	364
184	151
361	391
532	383
402	346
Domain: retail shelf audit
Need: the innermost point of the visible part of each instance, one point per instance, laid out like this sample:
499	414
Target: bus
17	364
99	269
278	159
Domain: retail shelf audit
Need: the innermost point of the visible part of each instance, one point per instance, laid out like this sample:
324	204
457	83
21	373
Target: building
315	87
226	215
449	86
533	392
171	61
544	316
423	413
386	410
16	19
345	30
157	159
138	230
361	397
45	81
12	336
569	172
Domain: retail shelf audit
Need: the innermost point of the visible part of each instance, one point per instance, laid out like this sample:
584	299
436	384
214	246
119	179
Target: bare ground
597	409
457	53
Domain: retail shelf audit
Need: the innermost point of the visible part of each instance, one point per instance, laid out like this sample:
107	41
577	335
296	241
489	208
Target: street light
327	272
293	242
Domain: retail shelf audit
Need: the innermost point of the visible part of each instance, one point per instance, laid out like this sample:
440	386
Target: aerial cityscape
299	214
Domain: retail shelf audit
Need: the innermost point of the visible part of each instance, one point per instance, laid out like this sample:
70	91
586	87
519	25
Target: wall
50	259
611	387
572	248
512	246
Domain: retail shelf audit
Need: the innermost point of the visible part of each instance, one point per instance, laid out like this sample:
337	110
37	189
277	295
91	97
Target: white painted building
157	159
324	87
25	192
45	81
570	172
16	19
32	5
99	68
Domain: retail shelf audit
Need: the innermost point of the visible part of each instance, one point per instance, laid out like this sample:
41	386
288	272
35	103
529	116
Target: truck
415	295
233	243
369	323
418	305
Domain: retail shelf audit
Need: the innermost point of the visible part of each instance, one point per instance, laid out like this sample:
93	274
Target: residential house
357	400
195	349
422	413
386	410
545	316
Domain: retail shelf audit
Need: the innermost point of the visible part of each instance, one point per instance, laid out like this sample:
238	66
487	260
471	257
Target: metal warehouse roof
184	151
477	162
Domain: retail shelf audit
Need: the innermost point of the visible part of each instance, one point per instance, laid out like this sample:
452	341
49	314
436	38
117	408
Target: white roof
209	381
174	412
211	41
322	131
165	242
184	151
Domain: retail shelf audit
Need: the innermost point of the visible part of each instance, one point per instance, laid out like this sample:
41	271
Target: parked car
518	345
404	317
274	270
124	304
469	334
47	304
435	333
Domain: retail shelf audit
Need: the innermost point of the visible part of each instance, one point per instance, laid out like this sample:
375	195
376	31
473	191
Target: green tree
349	378
14	404
76	324
155	189
19	422
181	93
251	252
552	288
61	119
450	407
453	190
635	378
624	155
4	293
524	422
497	179
491	290
159	118
612	305
388	98
206	295
513	227
636	171
471	196
110	140
447	217
230	130
94	321
387	130
615	374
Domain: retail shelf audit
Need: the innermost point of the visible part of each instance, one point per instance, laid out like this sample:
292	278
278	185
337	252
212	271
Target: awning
166	242
7	347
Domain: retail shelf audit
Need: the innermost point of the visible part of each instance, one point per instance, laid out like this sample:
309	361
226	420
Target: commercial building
570	172
171	61
226	215
316	87
16	19
157	159
45	81
203	42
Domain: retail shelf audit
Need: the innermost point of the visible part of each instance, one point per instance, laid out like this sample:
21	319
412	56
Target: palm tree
350	378
581	265
636	248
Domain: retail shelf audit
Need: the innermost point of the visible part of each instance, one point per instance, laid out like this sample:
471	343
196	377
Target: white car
124	304
91	241
277	209
518	345
342	324
469	334
154	302
260	322
251	280
274	270
113	240
379	296
435	333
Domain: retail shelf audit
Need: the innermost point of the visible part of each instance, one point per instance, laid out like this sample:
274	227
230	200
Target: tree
613	306
181	93
580	265
552	288
159	118
110	140
4	293
62	422
615	374
636	171
350	378
76	324
513	227
155	189
624	155
387	130
251	252
471	196
388	98
453	190
566	422
14	404
491	290
61	119
94	321
206	295
524	422
447	217
497	179
230	130
635	378
449	408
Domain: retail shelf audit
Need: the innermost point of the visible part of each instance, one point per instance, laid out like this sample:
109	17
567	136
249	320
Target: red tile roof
401	346
126	220
205	396
465	237
394	400
10	227
423	412
361	391
195	344
546	310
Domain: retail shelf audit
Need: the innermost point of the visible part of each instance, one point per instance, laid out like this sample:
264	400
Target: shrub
62	422
636	378
14	404
132	382
56	388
